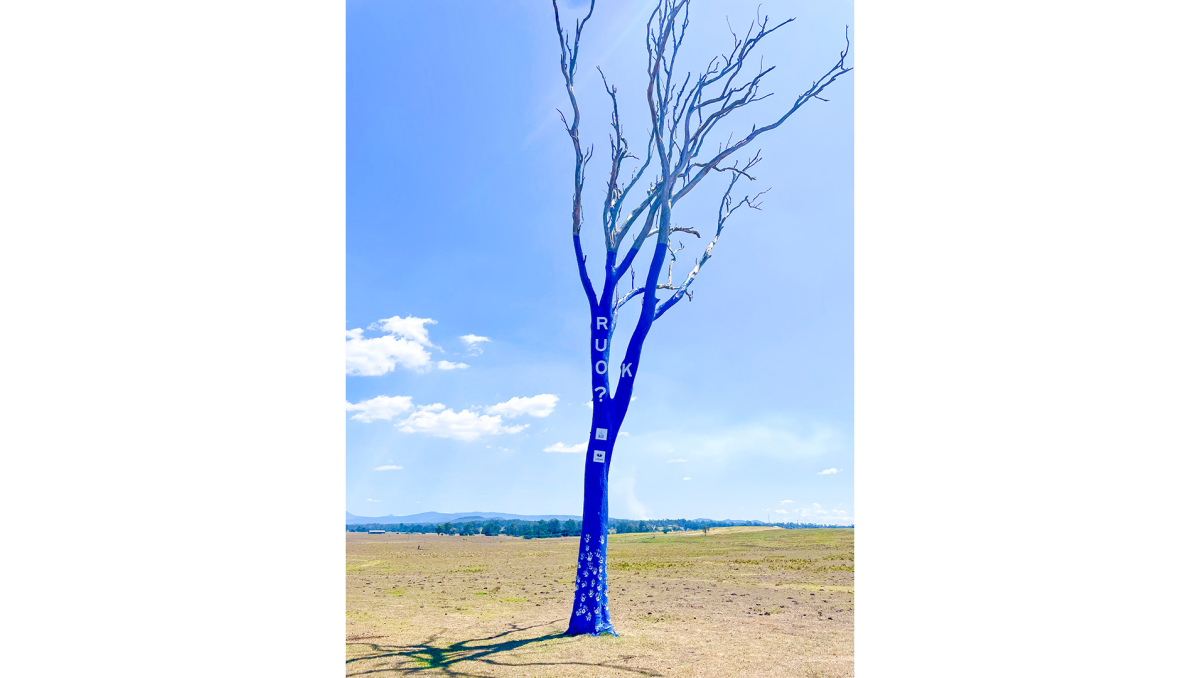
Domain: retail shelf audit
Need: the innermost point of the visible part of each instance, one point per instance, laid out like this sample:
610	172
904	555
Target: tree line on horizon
544	529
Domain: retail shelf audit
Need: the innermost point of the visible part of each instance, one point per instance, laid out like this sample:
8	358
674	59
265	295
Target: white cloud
436	420
389	467
828	471
447	365
676	461
623	433
407	328
816	505
380	355
787	501
780	511
380	407
559	447
375	500
402	344
537	406
474	343
687	478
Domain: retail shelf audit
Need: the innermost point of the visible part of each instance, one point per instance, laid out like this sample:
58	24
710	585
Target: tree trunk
589	613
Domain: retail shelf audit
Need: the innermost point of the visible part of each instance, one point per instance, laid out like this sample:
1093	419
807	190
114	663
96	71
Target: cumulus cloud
380	407
447	365
536	406
780	511
559	447
474	343
436	419
687	478
373	500
403	343
828	471
676	461
407	328
380	355
446	423
786	501
623	433
389	467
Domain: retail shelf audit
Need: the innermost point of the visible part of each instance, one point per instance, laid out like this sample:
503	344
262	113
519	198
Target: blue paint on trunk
589	613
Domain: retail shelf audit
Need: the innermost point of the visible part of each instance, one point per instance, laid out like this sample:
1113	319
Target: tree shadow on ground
429	657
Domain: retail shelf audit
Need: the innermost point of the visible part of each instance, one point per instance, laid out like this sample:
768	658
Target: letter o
601	367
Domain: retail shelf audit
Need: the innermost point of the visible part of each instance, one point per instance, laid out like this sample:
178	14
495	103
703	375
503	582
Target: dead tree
685	115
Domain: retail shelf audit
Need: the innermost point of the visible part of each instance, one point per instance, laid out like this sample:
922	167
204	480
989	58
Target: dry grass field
737	602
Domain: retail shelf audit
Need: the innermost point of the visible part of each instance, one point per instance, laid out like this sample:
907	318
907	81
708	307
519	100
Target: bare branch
651	195
568	56
567	60
621	302
683	115
726	208
671	266
813	92
647	229
620	151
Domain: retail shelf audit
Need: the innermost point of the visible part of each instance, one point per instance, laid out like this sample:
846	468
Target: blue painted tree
684	114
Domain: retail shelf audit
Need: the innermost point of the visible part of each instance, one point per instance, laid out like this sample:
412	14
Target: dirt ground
736	602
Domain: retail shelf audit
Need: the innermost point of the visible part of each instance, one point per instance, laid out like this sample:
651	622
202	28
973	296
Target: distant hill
435	517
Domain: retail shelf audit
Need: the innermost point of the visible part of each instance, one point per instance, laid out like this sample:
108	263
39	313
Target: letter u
599	347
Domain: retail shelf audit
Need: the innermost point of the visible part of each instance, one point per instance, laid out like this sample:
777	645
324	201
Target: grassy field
737	602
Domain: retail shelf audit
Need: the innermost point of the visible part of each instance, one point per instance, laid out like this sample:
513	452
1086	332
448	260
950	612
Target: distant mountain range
435	517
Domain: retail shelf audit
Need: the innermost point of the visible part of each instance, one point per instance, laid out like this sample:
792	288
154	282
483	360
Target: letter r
602	323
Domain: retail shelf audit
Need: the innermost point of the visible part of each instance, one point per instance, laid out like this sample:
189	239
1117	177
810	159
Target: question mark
602	391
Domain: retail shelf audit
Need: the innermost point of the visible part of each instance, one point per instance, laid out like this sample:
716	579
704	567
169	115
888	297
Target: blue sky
458	229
